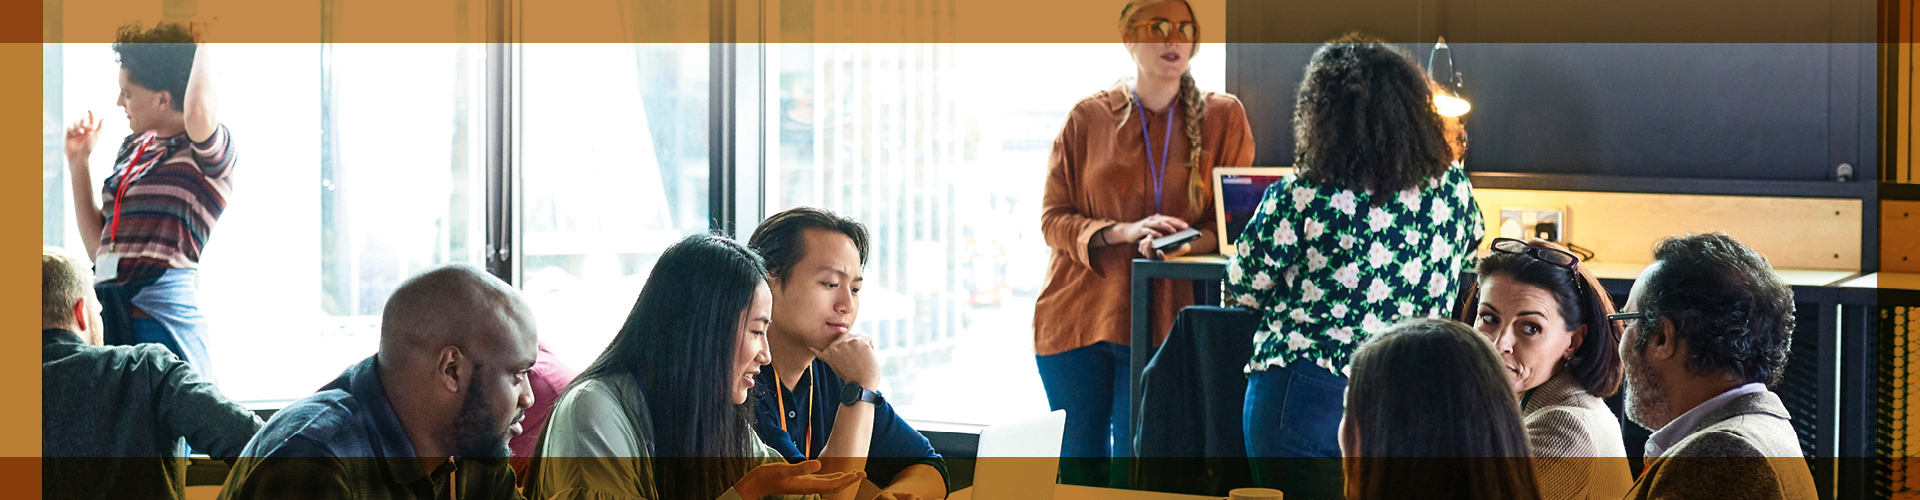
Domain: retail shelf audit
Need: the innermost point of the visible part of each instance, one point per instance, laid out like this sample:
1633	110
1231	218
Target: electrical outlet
1528	223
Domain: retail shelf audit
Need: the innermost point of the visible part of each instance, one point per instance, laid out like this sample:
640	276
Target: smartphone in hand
1173	241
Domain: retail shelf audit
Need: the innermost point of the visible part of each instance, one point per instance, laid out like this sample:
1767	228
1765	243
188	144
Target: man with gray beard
1708	326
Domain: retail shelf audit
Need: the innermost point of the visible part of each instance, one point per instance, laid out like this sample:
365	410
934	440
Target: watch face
851	393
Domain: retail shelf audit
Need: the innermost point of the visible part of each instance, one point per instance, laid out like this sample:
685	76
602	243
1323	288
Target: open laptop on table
1237	192
1021	459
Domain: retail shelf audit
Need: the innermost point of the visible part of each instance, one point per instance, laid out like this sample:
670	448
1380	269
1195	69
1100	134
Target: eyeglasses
1161	30
1632	316
1549	255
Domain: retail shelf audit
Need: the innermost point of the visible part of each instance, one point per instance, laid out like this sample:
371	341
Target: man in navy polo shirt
817	399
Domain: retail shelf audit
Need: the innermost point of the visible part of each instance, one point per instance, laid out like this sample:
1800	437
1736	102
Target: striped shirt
171	204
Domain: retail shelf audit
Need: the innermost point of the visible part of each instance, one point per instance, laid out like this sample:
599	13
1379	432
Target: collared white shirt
1680	428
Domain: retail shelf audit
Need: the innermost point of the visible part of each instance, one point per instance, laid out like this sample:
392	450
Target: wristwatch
852	393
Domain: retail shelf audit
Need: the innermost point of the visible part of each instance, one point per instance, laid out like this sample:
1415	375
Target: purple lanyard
1166	149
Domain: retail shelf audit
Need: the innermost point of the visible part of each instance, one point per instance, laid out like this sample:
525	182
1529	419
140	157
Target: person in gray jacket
1708	328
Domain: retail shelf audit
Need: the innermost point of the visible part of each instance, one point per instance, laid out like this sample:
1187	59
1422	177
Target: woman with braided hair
1133	162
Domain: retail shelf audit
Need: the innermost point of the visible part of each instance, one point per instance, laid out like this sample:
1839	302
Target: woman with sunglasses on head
1547	316
1376	225
663	413
1133	163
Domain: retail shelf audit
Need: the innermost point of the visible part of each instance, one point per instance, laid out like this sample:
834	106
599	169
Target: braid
1196	110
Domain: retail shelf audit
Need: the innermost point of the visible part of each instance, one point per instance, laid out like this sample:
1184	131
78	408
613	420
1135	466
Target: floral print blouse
1328	266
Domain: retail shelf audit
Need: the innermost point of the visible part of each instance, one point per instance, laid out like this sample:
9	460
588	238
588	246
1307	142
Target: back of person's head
1734	314
1430	414
1596	363
159	59
64	282
781	239
445	306
678	343
1364	119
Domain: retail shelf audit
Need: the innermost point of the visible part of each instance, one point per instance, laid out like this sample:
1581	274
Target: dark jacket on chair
1746	449
1188	433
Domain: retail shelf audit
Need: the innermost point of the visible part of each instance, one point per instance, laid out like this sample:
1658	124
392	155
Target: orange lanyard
804	452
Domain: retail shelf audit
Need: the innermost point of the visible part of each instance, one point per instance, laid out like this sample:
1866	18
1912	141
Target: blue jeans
175	320
1091	384
1292	424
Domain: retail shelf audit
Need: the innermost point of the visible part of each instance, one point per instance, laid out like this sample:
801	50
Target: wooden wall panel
1900	236
1794	233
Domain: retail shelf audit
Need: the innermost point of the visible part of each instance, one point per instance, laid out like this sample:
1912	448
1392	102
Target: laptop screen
1238	194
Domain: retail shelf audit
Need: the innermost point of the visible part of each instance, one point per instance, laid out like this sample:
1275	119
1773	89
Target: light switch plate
1527	223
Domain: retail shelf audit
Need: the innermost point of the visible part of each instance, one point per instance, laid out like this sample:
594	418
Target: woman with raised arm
170	182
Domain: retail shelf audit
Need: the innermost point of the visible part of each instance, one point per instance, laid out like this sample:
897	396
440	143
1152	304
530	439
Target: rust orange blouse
1097	176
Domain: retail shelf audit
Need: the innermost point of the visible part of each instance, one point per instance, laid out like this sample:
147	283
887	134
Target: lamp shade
1447	80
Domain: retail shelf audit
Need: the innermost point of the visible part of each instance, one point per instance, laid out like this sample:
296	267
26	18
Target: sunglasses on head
1553	256
1557	257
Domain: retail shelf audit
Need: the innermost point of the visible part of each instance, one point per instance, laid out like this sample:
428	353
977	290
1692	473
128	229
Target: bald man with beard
428	417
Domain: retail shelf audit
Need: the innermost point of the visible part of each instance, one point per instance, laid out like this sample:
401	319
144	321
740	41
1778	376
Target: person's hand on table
896	495
793	479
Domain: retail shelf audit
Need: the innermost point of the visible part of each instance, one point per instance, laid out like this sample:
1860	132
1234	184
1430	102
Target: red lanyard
126	180
805	452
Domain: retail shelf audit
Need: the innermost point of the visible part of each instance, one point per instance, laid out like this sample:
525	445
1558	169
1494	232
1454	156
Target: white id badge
106	267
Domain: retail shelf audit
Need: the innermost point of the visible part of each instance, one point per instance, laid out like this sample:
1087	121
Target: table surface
1071	492
1631	270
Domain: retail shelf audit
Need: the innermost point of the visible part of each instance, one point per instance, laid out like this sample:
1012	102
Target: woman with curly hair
1375	225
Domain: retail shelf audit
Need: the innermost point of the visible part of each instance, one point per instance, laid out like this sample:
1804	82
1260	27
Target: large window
941	150
615	167
362	164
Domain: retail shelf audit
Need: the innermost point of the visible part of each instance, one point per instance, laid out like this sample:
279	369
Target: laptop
1237	192
1019	460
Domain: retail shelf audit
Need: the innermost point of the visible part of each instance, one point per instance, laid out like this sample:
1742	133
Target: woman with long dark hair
1375	226
1429	415
662	413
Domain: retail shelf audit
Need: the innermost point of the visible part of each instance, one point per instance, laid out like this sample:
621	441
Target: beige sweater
1575	442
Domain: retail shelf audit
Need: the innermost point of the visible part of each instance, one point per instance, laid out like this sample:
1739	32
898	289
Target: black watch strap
851	393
